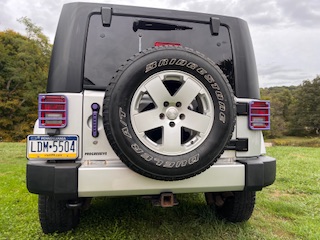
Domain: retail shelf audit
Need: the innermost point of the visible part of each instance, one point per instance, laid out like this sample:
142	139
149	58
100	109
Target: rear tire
232	206
55	216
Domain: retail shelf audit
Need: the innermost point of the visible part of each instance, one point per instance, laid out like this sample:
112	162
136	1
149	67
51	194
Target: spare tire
169	112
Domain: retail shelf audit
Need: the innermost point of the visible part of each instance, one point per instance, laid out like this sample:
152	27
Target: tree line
295	110
24	64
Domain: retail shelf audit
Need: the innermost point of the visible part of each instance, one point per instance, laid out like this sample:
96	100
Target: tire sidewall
134	153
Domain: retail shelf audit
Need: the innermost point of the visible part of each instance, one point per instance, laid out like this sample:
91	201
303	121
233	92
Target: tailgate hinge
106	15
239	144
214	26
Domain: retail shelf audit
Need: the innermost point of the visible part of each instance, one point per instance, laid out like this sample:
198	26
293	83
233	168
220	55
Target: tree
305	119
281	99
24	62
35	34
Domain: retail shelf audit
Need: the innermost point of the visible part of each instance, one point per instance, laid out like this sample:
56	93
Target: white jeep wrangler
148	102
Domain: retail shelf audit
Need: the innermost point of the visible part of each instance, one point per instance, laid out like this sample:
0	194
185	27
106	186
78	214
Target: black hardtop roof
126	10
68	54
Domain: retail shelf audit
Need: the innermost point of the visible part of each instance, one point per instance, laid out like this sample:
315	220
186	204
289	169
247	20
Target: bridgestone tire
169	112
55	216
237	207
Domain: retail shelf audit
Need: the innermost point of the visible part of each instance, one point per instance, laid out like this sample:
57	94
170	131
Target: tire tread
109	92
54	215
238	208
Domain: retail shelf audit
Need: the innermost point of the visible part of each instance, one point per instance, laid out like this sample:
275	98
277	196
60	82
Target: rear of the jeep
148	102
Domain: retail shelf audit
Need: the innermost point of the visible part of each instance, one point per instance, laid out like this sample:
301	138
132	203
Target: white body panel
254	143
115	179
99	148
37	130
103	174
110	177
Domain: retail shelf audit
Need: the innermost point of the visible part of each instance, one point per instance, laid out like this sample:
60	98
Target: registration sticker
52	147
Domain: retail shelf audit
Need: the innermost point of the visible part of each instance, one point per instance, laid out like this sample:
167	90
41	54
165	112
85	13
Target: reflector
157	44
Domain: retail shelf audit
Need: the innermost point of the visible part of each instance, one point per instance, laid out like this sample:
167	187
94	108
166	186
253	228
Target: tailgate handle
95	115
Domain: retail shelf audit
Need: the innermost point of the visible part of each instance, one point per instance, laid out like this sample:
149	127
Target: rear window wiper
153	25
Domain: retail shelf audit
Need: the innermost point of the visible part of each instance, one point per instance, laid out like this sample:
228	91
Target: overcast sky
285	33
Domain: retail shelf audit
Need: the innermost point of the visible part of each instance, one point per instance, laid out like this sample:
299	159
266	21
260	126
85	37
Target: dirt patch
268	144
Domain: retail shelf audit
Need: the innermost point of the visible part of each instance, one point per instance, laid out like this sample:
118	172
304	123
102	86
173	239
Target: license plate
52	147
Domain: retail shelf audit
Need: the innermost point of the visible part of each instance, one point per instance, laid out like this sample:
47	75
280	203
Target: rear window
109	47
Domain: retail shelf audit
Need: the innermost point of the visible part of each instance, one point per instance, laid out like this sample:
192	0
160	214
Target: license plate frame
58	147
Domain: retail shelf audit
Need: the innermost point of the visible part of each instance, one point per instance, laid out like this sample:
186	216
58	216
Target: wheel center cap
172	113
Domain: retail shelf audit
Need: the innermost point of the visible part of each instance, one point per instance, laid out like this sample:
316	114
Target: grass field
289	209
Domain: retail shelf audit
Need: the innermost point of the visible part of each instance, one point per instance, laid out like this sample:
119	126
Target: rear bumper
113	178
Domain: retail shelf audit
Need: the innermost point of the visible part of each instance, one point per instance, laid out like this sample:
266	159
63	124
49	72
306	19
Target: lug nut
178	104
172	124
166	104
161	116
182	116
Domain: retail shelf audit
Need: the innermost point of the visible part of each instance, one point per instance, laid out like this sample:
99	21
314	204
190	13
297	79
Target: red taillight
259	115
52	111
157	44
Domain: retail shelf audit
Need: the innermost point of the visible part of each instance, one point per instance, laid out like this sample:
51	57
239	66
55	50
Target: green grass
289	209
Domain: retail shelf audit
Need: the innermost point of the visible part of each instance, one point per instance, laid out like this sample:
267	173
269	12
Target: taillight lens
52	111
157	44
259	115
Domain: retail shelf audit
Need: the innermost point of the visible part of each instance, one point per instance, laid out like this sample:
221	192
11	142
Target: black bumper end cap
260	172
59	180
